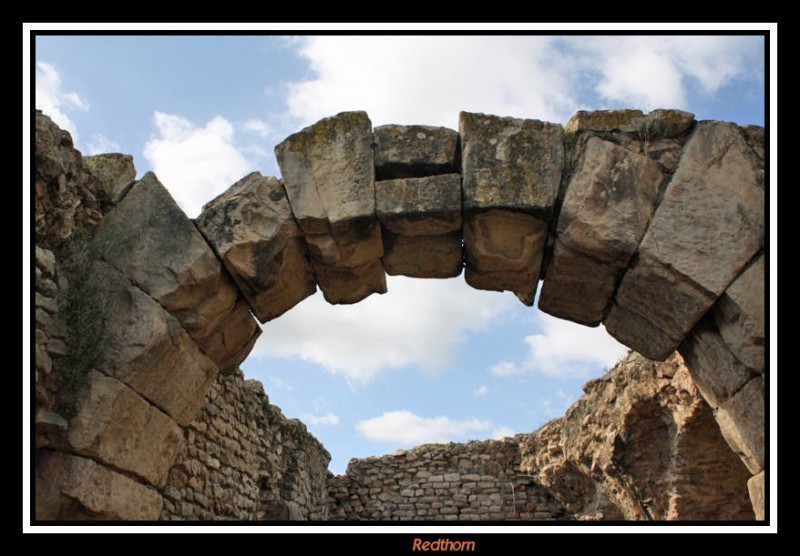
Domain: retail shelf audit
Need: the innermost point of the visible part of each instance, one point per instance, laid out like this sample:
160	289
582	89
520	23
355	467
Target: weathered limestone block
153	243
739	315
421	218
328	172
605	121
116	426
151	352
716	371
407	151
755	487
229	344
71	487
606	208
252	229
667	123
115	172
707	228
511	173
741	421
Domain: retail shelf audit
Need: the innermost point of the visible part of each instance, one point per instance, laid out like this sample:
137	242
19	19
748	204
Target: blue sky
431	360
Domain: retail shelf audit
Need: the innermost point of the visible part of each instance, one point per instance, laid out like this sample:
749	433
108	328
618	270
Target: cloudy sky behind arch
431	360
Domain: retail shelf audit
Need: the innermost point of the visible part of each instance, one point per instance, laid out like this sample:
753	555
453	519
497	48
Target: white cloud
480	391
328	418
429	79
280	384
417	322
404	428
257	126
100	144
194	163
53	100
502	432
564	348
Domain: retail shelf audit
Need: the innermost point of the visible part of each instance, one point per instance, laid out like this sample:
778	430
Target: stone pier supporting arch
652	224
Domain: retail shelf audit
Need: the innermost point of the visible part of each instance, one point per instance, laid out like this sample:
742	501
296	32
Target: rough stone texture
474	481
329	174
243	460
152	242
252	229
739	316
421	219
667	123
151	352
756	488
741	420
66	192
117	427
605	121
707	228
511	172
406	151
115	173
640	444
607	206
69	487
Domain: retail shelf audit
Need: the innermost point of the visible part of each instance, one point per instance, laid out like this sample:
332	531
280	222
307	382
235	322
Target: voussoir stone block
406	151
329	176
421	220
154	244
709	225
608	203
252	229
116	426
755	486
741	422
605	121
511	172
73	487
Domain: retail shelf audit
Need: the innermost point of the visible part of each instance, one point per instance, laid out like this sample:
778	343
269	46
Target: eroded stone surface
115	172
405	151
70	487
151	352
707	228
741	420
511	172
739	315
756	488
252	229
422	225
153	243
639	444
607	206
119	428
605	120
329	174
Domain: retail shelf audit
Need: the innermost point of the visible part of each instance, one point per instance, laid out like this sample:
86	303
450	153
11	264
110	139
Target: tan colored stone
329	174
667	123
152	242
437	256
232	340
716	371
709	225
741	421
739	315
503	251
117	427
115	172
607	206
252	229
605	121
406	151
151	352
511	172
755	486
70	487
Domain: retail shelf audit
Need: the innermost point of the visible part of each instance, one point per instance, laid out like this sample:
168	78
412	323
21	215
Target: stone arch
651	224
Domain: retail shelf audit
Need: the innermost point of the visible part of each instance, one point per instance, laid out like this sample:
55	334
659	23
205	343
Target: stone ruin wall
125	437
